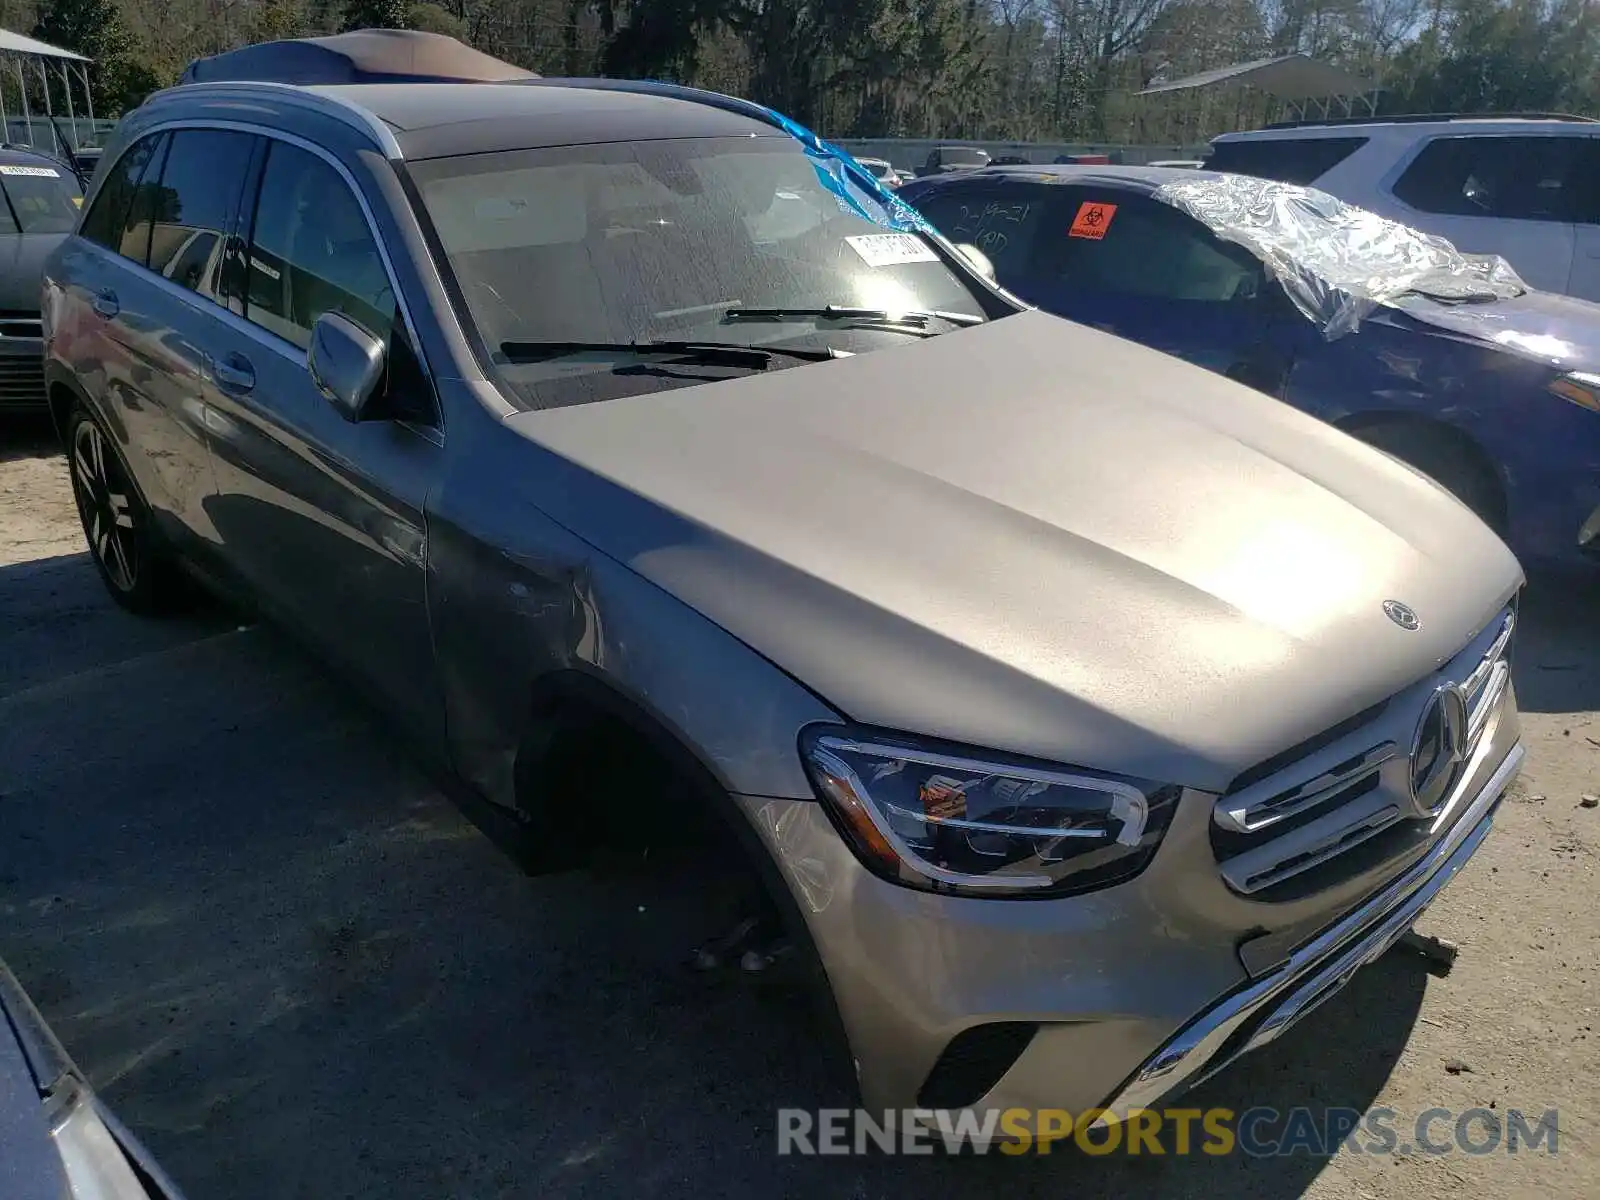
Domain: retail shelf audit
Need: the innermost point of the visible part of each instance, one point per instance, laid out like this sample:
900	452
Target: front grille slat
1302	810
21	382
1257	808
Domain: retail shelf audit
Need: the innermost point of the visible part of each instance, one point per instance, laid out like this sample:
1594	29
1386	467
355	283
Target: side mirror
346	364
978	260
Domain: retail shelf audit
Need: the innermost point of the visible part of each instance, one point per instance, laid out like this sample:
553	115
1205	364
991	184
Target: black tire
1452	466
135	568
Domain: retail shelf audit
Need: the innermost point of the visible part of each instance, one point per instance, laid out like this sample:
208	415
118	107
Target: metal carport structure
1297	79
35	59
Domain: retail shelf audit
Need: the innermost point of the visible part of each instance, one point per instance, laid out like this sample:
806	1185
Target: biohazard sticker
1092	221
33	172
891	249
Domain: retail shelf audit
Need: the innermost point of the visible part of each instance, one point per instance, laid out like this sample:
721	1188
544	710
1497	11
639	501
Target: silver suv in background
1525	188
39	199
1088	726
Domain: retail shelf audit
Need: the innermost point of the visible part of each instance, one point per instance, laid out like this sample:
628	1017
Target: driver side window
312	251
1125	244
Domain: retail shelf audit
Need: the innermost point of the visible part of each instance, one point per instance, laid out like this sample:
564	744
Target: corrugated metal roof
1292	77
15	43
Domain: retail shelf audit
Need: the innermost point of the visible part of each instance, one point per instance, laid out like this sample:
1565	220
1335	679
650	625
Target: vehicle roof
433	120
23	156
1128	178
1455	125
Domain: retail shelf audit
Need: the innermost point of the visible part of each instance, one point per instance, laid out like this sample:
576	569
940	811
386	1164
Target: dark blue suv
1448	362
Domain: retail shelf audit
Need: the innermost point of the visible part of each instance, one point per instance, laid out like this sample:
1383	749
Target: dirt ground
296	970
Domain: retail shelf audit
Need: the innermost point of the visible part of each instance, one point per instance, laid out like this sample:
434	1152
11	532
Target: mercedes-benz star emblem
1439	750
1402	615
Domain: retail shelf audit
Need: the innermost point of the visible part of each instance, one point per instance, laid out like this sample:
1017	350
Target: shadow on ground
297	971
1557	667
27	435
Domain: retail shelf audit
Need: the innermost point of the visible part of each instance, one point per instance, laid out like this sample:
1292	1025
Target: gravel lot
297	970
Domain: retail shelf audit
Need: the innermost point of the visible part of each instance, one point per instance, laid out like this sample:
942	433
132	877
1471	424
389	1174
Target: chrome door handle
106	304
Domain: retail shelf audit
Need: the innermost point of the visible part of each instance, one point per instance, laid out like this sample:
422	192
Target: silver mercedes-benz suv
1092	716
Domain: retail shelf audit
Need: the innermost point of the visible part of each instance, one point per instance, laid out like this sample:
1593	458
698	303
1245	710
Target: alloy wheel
105	504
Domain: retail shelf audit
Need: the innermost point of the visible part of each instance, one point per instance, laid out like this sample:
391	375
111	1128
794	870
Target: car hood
1055	542
1561	331
22	268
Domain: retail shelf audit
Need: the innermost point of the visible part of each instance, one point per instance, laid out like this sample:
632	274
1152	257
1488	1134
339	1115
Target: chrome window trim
91	200
265	337
345	111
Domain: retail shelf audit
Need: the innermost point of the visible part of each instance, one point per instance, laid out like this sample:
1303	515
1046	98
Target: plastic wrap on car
839	172
1338	262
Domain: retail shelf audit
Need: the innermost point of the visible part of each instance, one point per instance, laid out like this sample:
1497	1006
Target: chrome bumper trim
1258	1013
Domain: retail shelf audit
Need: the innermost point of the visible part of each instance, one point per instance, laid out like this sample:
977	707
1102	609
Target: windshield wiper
915	318
716	354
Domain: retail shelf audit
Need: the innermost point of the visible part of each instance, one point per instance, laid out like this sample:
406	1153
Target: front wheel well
61	399
1446	454
599	778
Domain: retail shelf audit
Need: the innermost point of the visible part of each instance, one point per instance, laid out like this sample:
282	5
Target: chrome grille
22	382
1343	791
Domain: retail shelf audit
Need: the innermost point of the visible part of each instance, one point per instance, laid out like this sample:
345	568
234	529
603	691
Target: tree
94	28
430	18
274	20
376	14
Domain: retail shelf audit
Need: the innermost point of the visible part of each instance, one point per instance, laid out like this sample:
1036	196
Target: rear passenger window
200	185
1586	181
312	251
1000	222
1130	245
1287	160
1520	178
113	215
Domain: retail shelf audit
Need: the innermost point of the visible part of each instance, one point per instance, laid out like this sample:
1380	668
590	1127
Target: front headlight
941	820
1581	387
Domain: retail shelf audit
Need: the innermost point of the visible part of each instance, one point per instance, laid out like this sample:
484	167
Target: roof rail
1411	118
340	108
676	91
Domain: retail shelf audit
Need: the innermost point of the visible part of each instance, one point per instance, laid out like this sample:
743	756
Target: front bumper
1134	992
1260	1012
